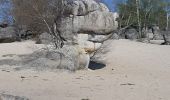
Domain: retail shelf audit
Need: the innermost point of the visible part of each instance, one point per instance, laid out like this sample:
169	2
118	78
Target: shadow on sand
95	65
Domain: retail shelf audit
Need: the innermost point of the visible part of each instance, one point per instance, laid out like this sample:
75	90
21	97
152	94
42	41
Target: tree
138	17
142	14
40	16
166	5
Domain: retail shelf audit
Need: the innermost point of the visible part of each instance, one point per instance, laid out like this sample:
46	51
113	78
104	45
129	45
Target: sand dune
134	71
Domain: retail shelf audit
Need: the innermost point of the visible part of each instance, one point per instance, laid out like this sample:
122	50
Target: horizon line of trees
144	14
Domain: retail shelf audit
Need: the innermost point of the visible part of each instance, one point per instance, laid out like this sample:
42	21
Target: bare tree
40	16
138	17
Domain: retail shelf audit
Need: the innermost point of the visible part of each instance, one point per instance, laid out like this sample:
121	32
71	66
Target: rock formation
86	25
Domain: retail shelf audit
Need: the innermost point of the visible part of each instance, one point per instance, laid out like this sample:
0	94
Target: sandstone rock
99	38
45	38
83	37
131	34
81	7
8	34
85	43
115	36
89	45
69	57
95	22
87	16
103	7
87	24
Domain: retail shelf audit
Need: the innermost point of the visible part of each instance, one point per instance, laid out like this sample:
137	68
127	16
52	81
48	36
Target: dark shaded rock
11	97
131	34
8	35
166	37
3	25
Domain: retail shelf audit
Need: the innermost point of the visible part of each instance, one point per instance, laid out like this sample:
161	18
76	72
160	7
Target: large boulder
69	57
8	34
85	26
99	23
87	16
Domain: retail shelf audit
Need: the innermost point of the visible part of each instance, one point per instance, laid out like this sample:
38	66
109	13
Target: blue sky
4	8
112	3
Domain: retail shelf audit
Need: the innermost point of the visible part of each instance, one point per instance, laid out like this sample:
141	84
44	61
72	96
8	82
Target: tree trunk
138	16
167	21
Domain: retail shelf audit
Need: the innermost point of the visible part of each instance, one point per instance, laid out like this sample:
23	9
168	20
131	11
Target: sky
3	8
112	4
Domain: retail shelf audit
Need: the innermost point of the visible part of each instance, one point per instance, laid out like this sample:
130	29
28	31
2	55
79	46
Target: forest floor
133	71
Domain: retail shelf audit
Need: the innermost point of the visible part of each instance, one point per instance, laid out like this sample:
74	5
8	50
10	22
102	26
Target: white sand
134	71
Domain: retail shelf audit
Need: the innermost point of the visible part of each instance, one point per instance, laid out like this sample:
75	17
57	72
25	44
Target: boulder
99	23
69	57
87	16
45	38
166	36
156	33
131	34
89	46
8	34
85	26
99	38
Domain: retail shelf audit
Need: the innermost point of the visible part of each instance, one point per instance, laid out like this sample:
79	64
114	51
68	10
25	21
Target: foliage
39	16
152	12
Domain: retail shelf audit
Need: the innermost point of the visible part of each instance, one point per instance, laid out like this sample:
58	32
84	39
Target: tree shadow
95	65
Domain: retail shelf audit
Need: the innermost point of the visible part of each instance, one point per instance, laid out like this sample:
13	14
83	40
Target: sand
134	71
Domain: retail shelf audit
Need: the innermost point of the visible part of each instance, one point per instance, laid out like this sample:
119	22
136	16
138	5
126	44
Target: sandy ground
134	71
